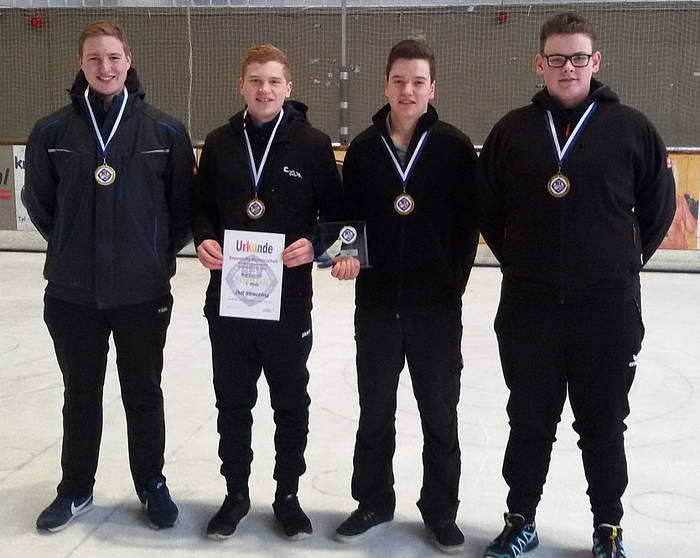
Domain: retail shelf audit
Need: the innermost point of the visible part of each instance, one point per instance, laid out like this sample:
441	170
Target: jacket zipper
562	236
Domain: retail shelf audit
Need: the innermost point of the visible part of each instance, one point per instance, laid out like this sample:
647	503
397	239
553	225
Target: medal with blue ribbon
559	185
255	208
104	174
404	202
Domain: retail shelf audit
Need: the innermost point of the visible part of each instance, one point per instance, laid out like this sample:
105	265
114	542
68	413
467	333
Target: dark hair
566	23
103	28
412	49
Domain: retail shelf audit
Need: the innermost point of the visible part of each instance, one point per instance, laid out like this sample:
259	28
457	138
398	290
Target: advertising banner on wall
7	210
683	234
23	222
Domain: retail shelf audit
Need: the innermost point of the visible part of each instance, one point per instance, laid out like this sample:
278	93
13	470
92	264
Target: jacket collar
599	92
294	116
132	84
425	122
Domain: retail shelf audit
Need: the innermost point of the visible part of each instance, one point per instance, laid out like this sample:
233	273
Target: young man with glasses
576	194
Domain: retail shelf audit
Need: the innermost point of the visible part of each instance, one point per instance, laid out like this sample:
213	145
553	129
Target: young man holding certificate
266	173
410	176
109	184
577	194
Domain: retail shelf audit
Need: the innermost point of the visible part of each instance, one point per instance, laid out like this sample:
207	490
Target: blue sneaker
160	508
61	512
517	537
607	542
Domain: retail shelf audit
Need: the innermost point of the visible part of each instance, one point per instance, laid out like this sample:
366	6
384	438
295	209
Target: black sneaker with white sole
223	524
295	523
359	522
447	536
59	513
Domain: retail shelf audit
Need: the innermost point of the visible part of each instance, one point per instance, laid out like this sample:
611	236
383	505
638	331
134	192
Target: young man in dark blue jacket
267	170
577	194
411	177
109	183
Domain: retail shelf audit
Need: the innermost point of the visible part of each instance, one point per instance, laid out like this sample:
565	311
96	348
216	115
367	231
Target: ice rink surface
662	501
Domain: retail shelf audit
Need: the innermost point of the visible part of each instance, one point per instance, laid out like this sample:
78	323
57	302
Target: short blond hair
102	28
261	54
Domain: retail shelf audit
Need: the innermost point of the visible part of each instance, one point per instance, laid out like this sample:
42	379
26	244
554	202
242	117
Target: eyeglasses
577	60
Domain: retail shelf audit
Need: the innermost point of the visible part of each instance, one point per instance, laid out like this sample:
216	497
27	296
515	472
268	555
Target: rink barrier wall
679	253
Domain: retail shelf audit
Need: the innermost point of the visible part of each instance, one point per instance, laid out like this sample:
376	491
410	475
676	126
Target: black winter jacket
423	258
592	242
299	184
110	245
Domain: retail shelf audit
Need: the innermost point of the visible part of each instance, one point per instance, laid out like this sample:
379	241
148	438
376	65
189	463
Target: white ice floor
662	501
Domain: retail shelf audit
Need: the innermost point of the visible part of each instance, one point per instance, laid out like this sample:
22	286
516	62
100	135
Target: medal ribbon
558	151
405	174
256	173
102	144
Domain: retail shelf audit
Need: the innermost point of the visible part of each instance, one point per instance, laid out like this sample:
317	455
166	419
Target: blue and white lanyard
256	172
405	174
100	142
558	151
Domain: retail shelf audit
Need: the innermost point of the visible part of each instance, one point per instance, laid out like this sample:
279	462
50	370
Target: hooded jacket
592	242
423	258
299	184
110	245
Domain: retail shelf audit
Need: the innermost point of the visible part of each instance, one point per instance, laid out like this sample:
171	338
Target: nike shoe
607	542
517	537
61	512
160	508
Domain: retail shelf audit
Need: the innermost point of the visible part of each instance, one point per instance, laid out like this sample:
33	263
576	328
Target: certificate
251	277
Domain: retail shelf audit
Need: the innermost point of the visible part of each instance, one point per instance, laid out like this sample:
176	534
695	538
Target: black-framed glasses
578	60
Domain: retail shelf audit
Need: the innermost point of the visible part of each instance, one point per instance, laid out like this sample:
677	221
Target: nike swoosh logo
77	509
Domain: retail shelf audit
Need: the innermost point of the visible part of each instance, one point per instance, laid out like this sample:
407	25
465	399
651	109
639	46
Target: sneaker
294	521
223	524
359	522
447	536
61	512
517	537
160	509
607	542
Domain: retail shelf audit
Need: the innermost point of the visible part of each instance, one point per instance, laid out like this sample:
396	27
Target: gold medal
105	175
558	186
255	208
404	204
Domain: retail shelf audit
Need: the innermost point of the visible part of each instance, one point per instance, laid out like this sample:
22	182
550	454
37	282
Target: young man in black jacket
577	194
410	176
267	170
109	182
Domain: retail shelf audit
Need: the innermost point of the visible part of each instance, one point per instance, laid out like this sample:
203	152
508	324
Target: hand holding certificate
251	277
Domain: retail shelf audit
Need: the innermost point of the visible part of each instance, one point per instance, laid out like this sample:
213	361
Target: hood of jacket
132	84
294	116
599	92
